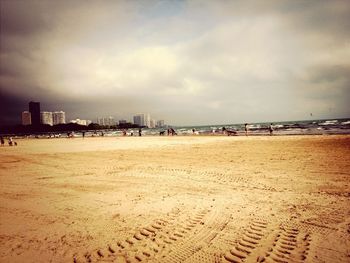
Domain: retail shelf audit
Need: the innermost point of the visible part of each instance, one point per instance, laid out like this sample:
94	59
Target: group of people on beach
10	141
233	132
125	132
170	132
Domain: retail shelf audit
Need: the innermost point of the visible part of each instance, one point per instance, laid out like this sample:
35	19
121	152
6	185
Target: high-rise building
26	118
152	123
34	109
109	121
80	122
46	117
106	121
148	120
100	121
142	119
160	123
139	119
59	117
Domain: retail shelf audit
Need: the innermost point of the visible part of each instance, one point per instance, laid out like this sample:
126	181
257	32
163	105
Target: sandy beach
176	199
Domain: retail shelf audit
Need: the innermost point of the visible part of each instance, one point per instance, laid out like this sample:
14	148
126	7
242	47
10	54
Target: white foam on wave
330	122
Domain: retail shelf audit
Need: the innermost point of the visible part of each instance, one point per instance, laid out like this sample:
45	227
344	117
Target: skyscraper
147	120
26	118
34	109
142	119
152	124
59	117
160	123
46	117
106	121
138	120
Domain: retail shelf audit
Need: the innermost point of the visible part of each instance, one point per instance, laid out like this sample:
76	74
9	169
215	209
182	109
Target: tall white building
100	121
59	117
26	118
160	123
148	120
138	120
142	119
152	123
109	121
46	118
80	122
106	121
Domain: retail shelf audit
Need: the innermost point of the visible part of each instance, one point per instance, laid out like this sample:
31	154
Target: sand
176	199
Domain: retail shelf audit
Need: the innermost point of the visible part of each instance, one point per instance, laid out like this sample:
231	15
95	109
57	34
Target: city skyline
188	62
59	117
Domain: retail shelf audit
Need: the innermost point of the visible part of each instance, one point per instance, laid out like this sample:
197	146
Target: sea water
303	127
316	127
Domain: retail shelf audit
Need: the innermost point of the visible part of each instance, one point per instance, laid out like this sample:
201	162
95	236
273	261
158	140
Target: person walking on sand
271	129
246	129
2	141
140	132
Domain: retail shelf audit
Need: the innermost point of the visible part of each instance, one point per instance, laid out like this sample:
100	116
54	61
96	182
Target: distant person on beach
271	129
228	132
10	141
124	132
2	141
83	135
140	132
246	129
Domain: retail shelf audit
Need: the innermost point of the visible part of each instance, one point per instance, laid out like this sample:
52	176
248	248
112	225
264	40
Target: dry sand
176	199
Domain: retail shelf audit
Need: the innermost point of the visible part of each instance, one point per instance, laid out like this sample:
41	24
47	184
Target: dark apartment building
34	109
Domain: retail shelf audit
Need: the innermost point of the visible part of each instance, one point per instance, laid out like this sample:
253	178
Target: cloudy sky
187	62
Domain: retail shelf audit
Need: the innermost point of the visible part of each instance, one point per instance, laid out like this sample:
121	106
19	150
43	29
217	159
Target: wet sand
176	199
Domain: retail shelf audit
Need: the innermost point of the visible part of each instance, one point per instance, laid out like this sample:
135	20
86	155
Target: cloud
189	62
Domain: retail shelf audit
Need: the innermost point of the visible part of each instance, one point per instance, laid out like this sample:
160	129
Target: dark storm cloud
9	108
17	18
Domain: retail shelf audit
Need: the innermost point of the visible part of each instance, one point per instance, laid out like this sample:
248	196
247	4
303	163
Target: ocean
303	127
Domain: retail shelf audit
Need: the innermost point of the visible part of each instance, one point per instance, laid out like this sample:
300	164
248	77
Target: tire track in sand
121	250
290	245
251	238
194	244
